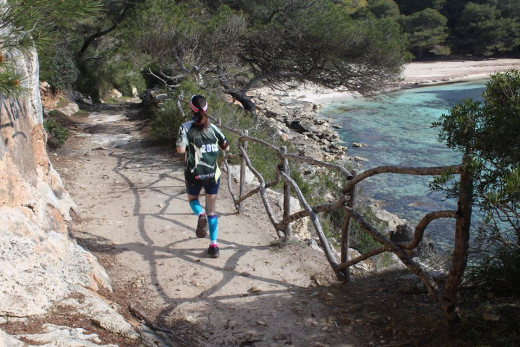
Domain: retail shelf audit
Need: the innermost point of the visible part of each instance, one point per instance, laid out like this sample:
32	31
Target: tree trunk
460	251
245	101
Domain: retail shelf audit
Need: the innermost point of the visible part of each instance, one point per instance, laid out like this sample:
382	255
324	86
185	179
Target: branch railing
346	201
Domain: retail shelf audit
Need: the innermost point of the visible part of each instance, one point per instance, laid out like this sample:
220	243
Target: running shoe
201	226
213	251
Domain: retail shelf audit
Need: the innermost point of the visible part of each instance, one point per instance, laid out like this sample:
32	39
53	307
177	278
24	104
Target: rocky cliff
40	265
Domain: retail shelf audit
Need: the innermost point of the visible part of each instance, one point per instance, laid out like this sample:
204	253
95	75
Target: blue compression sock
195	207
213	228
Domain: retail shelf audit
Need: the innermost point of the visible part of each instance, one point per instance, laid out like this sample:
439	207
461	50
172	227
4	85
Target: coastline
417	74
294	111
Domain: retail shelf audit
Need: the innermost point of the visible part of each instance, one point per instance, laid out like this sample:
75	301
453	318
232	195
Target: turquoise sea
398	131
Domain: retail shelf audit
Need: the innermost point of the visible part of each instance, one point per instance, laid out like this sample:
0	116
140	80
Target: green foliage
409	7
360	240
263	159
57	67
10	78
166	121
30	23
167	118
425	30
57	134
36	20
325	45
383	8
497	270
486	31
441	50
299	179
490	323
121	74
488	131
178	40
93	85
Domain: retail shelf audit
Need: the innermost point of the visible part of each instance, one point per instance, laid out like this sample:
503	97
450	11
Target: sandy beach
420	73
453	71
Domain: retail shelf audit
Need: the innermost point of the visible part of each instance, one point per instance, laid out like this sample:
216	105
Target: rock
320	279
148	96
363	267
44	87
283	136
299	227
390	219
41	268
299	120
135	93
115	94
255	290
79	97
101	313
54	335
161	97
403	233
40	264
297	125
70	108
313	244
359	144
234	171
8	340
427	249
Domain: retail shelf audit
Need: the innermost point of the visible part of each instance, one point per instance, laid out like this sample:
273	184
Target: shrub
166	121
497	271
123	78
58	67
57	134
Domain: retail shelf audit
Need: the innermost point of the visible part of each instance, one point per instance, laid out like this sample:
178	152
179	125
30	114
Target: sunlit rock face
39	263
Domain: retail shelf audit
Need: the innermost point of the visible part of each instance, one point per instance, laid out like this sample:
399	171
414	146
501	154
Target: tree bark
460	251
346	229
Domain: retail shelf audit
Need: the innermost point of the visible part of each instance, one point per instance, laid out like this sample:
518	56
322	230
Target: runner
200	141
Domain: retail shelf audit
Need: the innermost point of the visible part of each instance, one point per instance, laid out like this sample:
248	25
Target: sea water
398	131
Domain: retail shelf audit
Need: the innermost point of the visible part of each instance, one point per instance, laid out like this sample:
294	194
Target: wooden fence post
286	197
345	232
242	174
460	250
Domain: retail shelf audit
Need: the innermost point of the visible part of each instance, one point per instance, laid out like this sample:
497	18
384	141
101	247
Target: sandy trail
136	219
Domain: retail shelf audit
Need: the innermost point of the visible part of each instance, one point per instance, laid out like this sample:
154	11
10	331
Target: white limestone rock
11	341
250	178
102	312
38	268
60	336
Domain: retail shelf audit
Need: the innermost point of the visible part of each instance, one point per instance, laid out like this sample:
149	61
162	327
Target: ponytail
199	106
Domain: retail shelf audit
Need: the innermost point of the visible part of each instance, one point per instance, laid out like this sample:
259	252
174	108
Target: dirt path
135	217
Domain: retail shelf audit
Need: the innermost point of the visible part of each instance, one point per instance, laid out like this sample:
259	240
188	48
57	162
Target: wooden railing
346	201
